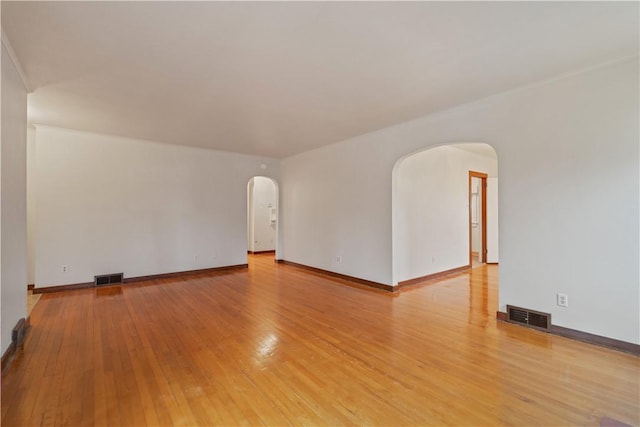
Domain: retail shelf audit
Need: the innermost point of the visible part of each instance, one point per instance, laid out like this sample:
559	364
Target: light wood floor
276	345
32	300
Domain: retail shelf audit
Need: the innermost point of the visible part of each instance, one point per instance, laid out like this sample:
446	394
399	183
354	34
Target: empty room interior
320	213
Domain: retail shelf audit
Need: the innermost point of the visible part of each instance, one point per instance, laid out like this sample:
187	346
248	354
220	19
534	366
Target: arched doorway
432	211
262	215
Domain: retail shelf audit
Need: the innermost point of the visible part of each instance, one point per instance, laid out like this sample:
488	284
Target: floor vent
17	334
108	279
524	316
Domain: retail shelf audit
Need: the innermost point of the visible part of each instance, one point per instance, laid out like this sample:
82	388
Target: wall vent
17	334
531	318
108	279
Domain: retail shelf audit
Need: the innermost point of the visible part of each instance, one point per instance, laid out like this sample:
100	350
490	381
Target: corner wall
31	249
13	216
106	204
569	196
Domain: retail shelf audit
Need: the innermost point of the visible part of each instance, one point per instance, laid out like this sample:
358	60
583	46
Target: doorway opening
262	216
435	213
477	218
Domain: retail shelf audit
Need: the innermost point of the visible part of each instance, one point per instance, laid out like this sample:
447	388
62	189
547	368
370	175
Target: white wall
262	231
250	215
493	237
568	162
13	234
106	204
431	210
31	185
336	202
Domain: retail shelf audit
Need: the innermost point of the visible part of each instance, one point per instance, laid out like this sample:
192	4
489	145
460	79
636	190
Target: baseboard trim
60	288
74	286
13	348
356	280
272	251
186	273
611	343
30	286
7	357
433	276
586	337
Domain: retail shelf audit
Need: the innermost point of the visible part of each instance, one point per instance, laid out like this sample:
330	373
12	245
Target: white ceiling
280	78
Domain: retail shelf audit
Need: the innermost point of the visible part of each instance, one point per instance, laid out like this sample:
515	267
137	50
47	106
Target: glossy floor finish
276	345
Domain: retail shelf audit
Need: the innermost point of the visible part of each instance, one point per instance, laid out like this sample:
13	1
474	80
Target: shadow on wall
431	208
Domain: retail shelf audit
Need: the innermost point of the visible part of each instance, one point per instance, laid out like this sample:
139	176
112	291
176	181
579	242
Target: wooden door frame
482	256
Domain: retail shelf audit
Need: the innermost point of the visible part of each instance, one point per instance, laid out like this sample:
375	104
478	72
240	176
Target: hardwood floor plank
278	345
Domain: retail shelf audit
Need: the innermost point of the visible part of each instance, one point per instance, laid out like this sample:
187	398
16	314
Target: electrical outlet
339	259
65	268
563	300
195	257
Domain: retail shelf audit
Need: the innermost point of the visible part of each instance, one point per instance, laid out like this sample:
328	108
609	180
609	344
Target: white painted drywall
13	216
262	230
250	215
107	204
568	162
336	202
431	210
493	253
31	212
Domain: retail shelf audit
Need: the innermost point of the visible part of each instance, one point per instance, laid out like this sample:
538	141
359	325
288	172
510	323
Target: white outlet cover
563	300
